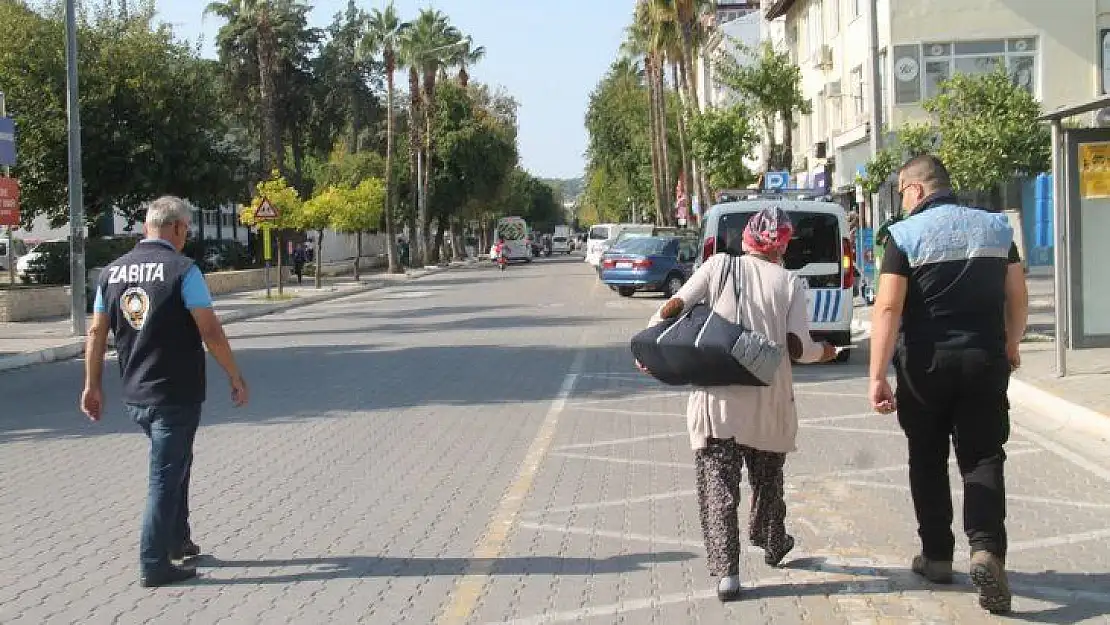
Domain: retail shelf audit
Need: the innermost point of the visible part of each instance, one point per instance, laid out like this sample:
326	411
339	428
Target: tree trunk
656	158
358	253
700	187
268	94
684	153
418	246
429	114
666	216
392	266
788	140
319	257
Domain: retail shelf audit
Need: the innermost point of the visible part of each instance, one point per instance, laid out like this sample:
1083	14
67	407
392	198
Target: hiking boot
936	571
988	573
172	575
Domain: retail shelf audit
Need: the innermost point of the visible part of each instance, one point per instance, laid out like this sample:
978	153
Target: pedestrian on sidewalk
732	427
158	307
952	281
300	256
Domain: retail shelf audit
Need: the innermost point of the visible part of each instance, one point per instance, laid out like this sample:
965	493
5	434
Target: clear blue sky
548	55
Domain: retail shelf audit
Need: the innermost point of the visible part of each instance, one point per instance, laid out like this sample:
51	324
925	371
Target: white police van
821	252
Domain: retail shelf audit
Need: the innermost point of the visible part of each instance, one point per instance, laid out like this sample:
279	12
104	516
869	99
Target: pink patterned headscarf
768	231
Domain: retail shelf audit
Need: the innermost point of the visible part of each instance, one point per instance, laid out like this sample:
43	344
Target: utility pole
76	201
876	95
11	229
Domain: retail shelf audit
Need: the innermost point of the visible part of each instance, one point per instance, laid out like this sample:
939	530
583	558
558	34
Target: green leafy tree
617	120
141	138
289	205
772	87
722	139
317	215
988	131
361	212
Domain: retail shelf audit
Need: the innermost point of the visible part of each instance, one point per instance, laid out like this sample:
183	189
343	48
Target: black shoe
172	575
189	550
774	558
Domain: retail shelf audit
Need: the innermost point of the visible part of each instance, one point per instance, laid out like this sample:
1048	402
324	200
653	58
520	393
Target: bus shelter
1081	221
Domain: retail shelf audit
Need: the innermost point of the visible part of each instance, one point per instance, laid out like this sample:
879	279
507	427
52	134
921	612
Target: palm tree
426	47
264	36
465	56
641	43
668	40
257	29
383	36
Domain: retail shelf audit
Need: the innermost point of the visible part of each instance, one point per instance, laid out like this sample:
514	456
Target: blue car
655	264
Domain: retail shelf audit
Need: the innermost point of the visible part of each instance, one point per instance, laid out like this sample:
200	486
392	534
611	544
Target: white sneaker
728	588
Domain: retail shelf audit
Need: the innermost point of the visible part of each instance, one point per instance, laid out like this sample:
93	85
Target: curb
76	347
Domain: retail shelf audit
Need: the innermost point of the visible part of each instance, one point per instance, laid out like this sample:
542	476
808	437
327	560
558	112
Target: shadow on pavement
355	567
294	383
400	326
1064	589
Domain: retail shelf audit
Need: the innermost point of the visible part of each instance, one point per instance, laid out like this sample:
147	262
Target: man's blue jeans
171	430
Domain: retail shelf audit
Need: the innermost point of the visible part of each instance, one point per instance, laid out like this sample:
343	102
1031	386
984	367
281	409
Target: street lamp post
76	202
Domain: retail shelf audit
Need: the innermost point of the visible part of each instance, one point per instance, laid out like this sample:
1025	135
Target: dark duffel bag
702	348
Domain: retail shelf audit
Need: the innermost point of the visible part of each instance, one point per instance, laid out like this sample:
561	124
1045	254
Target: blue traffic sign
776	180
7	142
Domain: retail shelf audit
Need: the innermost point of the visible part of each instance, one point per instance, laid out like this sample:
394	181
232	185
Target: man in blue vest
157	305
952	278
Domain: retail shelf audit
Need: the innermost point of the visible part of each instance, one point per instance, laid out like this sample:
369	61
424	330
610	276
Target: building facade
1054	49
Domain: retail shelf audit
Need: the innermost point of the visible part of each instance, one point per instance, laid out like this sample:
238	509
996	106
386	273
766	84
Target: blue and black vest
958	258
161	355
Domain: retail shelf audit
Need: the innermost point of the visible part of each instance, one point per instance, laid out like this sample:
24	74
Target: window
816	15
836	109
975	58
857	7
816	237
855	85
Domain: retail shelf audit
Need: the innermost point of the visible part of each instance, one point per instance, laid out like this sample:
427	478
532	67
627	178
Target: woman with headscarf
735	426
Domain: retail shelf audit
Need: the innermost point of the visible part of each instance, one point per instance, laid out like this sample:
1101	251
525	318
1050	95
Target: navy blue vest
161	355
958	257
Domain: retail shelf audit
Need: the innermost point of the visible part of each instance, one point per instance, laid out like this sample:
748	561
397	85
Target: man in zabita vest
157	305
952	290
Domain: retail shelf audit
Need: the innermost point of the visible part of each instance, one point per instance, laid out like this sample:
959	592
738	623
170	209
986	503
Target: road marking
632	461
1064	453
641	397
893	467
614	502
639	413
1009	496
1058	541
620	441
840	428
846	417
586	531
471	585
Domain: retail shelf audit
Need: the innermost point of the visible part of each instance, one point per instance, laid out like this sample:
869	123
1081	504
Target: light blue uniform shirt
194	290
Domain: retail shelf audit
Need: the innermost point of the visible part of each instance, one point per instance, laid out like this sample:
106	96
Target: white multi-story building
1053	48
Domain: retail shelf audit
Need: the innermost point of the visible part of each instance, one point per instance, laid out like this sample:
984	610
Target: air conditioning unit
825	57
833	90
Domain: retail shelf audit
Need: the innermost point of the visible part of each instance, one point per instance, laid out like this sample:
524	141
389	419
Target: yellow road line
471	586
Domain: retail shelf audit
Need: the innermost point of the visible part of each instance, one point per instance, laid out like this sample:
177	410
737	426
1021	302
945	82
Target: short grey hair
168	210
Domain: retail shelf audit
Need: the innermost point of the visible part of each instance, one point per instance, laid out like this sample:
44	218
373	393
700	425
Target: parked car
19	248
654	264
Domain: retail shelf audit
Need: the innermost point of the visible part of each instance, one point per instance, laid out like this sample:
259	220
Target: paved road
474	448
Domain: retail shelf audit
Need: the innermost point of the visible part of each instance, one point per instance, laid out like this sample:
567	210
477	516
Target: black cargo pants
957	395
